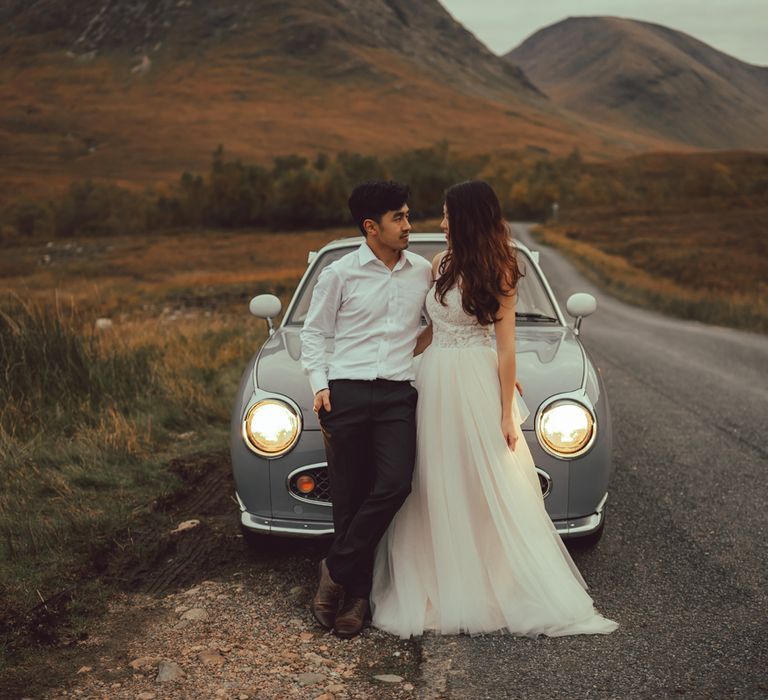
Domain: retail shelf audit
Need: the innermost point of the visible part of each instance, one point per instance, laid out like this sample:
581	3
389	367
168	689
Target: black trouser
370	444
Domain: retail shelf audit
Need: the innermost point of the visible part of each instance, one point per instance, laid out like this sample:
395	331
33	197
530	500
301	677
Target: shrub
29	219
96	209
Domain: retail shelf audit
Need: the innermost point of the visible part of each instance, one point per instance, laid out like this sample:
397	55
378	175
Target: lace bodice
452	327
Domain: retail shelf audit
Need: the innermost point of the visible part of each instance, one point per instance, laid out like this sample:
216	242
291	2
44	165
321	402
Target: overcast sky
736	27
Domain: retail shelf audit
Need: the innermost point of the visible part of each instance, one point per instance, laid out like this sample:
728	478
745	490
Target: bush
96	209
29	219
429	172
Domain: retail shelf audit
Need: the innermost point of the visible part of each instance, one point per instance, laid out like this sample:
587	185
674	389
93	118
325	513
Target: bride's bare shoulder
436	262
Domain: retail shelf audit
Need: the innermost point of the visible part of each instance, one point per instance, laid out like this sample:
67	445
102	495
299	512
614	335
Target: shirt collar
366	255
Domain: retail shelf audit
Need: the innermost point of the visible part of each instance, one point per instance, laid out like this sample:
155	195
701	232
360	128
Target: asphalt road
682	564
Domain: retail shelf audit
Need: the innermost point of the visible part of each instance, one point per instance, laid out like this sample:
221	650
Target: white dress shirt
373	315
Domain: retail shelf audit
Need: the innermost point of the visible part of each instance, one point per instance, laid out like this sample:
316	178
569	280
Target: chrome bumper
274	526
577	527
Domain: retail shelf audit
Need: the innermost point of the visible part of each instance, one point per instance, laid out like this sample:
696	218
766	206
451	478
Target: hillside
649	78
136	92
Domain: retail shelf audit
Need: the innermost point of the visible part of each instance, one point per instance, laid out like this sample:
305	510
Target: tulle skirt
473	548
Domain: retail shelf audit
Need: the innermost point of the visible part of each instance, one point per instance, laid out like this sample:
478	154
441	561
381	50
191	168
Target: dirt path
204	614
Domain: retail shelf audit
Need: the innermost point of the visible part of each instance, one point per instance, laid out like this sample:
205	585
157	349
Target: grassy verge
88	423
703	281
93	421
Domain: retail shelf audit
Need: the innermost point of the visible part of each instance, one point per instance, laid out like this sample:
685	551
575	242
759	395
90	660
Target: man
369	302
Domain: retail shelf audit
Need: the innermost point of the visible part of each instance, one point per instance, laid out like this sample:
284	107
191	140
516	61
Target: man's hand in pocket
322	398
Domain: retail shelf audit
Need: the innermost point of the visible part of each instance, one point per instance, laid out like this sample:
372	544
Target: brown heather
710	265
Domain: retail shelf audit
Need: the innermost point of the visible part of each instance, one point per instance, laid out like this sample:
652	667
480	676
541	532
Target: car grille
545	481
322	492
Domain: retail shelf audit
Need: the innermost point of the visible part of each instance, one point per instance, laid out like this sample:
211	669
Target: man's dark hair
374	198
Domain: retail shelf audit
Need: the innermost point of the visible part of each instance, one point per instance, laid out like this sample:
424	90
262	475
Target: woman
473	549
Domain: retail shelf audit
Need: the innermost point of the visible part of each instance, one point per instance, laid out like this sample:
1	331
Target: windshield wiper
531	316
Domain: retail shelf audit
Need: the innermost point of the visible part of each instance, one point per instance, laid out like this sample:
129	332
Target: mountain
329	33
136	91
651	79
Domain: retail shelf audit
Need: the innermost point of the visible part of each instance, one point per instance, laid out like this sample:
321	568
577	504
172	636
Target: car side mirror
266	306
580	305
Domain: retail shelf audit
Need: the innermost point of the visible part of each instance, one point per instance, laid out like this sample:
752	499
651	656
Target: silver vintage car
276	445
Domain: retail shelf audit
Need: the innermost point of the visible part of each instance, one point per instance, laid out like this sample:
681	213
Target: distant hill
330	33
137	91
643	76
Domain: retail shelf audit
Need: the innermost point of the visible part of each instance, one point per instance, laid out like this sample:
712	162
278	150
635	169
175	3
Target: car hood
549	361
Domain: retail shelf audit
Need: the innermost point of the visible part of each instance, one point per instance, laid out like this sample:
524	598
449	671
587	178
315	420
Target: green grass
88	422
56	377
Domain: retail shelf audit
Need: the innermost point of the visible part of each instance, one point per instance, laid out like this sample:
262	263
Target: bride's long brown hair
480	251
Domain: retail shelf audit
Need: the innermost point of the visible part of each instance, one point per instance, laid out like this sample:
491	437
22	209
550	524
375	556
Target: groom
369	303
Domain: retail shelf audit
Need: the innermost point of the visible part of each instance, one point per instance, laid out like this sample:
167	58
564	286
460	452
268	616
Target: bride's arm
505	349
423	341
425	337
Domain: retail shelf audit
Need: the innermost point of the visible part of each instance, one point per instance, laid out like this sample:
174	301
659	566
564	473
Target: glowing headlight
271	427
566	429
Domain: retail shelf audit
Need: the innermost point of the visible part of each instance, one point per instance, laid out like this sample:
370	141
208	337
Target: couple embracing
438	514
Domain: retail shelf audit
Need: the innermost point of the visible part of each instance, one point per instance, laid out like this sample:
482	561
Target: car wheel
253	540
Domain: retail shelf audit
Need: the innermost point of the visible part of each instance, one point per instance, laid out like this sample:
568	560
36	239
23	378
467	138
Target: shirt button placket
384	348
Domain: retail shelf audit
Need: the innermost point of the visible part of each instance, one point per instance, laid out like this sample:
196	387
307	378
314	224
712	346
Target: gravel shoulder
201	612
248	637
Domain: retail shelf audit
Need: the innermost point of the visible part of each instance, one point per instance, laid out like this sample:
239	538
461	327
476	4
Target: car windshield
533	302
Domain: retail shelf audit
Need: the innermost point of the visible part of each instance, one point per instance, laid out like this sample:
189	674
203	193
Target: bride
473	548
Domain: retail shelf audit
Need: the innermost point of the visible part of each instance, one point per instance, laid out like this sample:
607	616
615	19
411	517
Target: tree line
302	192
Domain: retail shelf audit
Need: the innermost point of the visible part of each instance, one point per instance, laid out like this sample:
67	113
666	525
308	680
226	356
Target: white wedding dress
473	548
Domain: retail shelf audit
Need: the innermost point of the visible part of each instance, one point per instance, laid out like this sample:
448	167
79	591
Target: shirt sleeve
320	324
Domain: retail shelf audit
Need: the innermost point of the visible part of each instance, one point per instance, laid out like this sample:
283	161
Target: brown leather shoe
352	617
325	604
